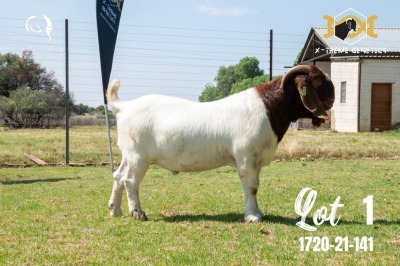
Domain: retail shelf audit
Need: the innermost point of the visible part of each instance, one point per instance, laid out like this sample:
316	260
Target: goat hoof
253	218
114	211
139	215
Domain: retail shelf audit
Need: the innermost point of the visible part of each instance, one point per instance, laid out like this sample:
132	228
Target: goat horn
295	70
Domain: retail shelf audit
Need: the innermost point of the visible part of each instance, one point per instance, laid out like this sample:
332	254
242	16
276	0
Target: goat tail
112	96
112	91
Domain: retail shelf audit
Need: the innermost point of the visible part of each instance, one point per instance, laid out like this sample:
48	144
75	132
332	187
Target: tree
16	72
7	77
29	95
225	79
248	67
80	109
210	93
297	60
248	83
233	79
30	108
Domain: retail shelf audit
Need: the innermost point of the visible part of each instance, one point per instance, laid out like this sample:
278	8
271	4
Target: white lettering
320	215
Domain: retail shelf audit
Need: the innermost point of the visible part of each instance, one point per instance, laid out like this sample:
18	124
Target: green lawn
59	216
88	145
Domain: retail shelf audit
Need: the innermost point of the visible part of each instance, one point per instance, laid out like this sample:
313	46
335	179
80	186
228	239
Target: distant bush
26	108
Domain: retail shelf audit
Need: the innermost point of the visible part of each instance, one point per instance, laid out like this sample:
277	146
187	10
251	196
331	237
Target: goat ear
309	97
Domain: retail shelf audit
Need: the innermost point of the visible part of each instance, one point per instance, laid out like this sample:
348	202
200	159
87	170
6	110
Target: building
366	76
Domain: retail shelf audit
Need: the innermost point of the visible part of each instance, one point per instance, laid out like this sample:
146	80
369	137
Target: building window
343	92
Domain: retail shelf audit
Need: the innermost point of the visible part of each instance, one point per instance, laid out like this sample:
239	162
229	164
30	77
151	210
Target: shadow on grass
33	181
226	218
238	218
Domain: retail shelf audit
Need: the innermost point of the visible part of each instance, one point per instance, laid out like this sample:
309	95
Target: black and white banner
108	14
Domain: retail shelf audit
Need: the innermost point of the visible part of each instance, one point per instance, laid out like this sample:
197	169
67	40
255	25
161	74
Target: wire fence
177	61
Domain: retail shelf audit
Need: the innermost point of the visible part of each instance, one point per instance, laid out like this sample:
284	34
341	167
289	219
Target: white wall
344	115
379	71
325	66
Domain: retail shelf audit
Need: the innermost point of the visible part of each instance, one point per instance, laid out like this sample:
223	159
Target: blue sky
170	47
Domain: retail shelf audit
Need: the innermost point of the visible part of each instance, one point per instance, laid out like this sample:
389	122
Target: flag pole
109	138
108	14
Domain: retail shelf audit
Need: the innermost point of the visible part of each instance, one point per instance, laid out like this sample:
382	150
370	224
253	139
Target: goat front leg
132	183
249	179
118	189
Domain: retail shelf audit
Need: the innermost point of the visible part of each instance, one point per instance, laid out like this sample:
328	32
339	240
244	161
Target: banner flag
108	14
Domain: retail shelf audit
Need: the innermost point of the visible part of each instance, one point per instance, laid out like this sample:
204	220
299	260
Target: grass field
89	145
59	215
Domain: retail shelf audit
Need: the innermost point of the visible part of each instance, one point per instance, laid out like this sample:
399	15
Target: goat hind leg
135	176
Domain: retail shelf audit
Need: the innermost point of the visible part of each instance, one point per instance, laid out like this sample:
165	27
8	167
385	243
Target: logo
350	26
35	28
116	3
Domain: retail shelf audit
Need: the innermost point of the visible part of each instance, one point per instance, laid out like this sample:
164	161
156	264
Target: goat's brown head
316	90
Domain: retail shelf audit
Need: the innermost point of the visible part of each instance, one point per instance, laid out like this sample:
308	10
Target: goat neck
283	105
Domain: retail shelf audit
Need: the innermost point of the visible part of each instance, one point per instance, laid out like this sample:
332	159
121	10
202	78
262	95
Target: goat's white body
181	135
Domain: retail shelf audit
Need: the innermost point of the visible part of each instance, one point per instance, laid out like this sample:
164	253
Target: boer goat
343	29
242	130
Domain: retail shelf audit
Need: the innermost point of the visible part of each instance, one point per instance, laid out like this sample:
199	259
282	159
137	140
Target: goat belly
189	154
196	164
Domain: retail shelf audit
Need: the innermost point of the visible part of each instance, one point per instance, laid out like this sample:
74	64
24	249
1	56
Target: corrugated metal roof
388	38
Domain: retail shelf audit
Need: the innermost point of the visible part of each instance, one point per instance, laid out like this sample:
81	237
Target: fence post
109	138
270	53
67	109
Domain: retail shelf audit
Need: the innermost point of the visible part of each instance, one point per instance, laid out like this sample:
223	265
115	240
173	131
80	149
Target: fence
160	59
